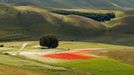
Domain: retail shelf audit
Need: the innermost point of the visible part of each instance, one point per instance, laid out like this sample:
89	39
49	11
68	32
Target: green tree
49	41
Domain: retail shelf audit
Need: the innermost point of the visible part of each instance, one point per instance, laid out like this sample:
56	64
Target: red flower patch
70	56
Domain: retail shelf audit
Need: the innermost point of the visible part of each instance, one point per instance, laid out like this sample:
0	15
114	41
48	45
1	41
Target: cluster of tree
49	41
96	16
1	45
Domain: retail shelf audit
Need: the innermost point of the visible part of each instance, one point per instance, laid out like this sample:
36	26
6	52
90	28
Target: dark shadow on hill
113	40
118	42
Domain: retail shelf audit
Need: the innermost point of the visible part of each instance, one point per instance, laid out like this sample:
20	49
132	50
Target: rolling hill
27	21
124	25
75	3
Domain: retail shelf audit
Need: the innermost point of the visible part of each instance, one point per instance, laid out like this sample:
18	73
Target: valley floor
70	58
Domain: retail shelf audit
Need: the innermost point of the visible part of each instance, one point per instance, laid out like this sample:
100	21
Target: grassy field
65	45
8	70
123	55
31	66
99	66
102	67
84	45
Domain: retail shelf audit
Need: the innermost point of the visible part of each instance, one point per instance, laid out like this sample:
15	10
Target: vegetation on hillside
95	16
32	22
124	25
49	41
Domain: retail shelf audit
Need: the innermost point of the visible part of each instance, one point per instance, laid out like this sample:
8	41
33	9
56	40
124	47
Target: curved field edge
63	45
100	66
85	67
25	64
19	63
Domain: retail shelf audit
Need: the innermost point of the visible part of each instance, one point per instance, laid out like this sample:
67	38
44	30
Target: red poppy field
76	55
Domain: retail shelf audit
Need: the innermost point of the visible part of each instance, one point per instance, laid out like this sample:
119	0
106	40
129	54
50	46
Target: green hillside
28	21
75	3
124	25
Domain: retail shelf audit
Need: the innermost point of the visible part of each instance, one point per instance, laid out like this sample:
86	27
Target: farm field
82	58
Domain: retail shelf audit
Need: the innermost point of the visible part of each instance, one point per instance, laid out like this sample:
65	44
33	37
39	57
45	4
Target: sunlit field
33	58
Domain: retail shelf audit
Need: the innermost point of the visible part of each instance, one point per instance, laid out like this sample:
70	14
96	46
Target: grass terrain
22	22
102	67
125	25
84	45
99	66
109	50
8	70
30	22
65	45
35	67
118	52
124	55
25	22
31	66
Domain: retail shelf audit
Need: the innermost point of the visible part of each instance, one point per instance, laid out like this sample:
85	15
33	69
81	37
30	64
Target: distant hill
75	3
125	25
26	21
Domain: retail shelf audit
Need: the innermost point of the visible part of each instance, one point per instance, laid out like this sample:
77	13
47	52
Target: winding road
21	49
